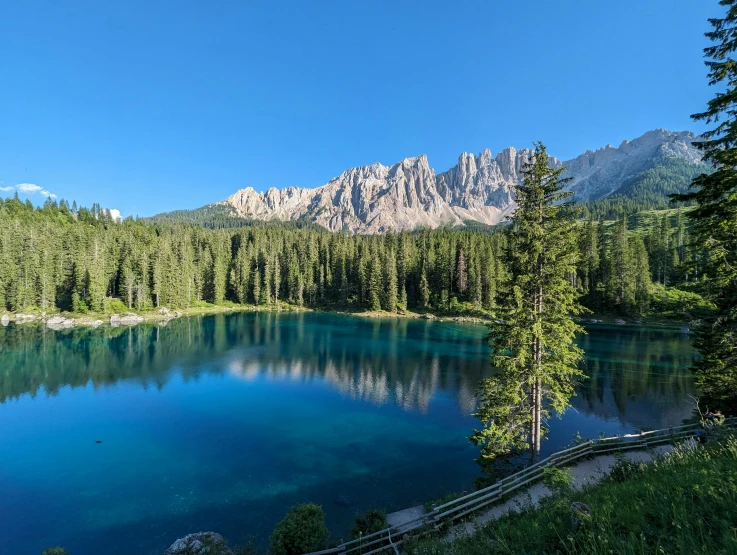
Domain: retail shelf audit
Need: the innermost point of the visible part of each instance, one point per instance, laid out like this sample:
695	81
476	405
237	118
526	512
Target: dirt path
584	473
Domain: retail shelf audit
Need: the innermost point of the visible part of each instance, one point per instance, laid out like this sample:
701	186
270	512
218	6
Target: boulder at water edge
201	543
127	320
59	323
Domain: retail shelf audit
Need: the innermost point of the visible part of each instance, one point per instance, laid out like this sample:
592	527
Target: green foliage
647	190
57	261
55	551
373	520
684	503
301	531
714	220
222	216
624	469
54	258
558	480
669	301
116	306
533	344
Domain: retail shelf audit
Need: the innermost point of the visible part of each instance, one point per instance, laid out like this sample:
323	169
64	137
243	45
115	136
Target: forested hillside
58	257
648	190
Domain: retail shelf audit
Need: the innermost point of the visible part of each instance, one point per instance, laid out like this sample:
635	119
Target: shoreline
163	315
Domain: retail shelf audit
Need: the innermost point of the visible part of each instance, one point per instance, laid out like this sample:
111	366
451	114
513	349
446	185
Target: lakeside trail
585	473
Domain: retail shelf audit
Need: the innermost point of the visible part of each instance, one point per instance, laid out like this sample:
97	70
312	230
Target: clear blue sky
153	106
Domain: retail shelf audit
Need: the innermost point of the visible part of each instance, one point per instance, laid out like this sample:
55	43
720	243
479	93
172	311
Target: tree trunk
537	363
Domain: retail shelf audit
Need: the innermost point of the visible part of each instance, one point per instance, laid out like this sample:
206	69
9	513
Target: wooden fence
390	538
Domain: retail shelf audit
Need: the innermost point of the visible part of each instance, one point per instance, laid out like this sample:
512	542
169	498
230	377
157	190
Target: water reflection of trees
380	361
637	376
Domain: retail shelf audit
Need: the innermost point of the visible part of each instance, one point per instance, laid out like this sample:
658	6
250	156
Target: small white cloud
29	188
115	213
7	189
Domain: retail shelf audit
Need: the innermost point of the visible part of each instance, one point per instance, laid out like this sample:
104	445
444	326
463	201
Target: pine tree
257	286
474	277
390	281
533	347
714	220
639	274
461	273
620	285
402	271
424	290
374	293
129	282
589	258
277	279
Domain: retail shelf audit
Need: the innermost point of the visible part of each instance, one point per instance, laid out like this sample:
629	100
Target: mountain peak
408	194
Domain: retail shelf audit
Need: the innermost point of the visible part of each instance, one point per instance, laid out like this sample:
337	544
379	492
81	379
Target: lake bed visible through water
121	440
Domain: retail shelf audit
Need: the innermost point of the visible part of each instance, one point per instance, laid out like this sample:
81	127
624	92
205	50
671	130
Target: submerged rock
200	543
344	500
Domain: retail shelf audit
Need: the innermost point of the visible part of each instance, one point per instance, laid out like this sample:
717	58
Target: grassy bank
686	504
463	312
115	307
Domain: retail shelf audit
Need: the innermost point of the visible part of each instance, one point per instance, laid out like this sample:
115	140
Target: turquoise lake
223	422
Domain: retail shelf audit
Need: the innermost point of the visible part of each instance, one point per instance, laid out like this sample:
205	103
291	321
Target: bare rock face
201	543
378	198
24	318
59	323
5	320
127	320
597	174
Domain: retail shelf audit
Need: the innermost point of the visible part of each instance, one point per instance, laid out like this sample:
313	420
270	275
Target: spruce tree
461	273
714	220
424	290
375	282
390	282
533	346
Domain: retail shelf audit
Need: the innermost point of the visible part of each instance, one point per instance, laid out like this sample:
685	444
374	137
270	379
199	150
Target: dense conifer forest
75	259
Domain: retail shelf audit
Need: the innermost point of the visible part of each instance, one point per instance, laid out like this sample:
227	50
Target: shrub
623	469
677	302
369	522
115	305
558	480
302	530
55	551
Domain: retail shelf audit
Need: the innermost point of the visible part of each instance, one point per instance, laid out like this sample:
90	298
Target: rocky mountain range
409	194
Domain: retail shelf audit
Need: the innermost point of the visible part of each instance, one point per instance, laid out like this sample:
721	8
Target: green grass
685	503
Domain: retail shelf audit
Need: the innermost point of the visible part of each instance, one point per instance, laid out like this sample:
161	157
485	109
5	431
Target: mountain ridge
408	194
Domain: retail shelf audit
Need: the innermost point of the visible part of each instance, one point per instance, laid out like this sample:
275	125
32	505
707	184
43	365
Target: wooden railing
390	538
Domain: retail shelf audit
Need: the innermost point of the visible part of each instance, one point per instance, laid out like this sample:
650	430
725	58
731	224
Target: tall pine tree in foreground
533	348
715	220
